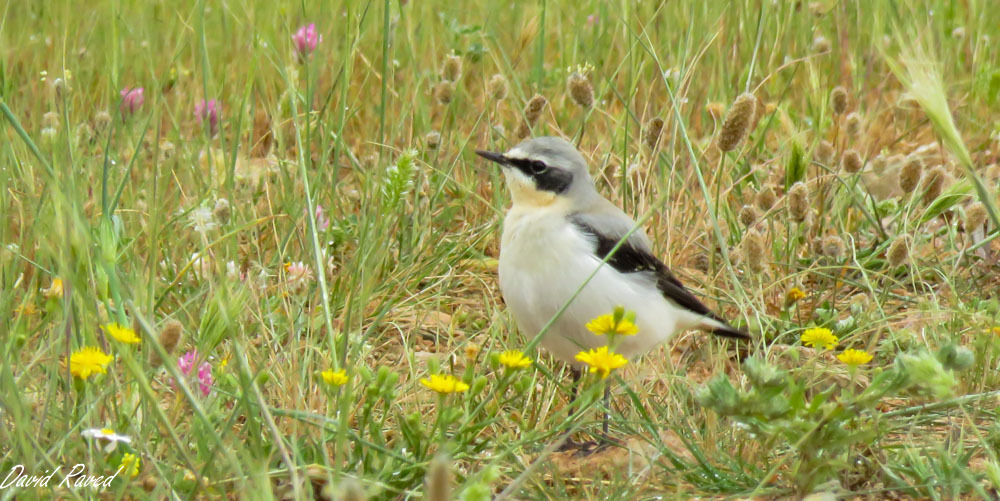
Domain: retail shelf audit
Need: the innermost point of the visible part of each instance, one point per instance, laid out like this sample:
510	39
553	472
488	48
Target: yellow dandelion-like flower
602	360
996	330
444	384
121	333
794	295
854	358
514	359
88	361
820	336
130	464
609	325
334	378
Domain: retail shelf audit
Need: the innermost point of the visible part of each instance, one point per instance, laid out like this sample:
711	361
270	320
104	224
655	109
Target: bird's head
543	171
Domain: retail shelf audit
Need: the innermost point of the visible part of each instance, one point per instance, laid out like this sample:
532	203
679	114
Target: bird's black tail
720	328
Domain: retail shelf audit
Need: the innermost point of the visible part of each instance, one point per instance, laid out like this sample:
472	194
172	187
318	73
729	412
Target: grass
148	218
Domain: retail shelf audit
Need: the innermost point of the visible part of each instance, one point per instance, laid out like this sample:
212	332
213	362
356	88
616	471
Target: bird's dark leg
607	414
576	386
571	444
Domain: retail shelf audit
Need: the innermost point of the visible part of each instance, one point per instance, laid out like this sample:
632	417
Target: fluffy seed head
798	202
444	91
975	216
821	44
222	212
101	121
169	338
534	108
851	162
523	130
654	128
737	124
766	198
853	124
824	152
580	90
909	175
899	250
451	70
497	87
838	99
438	480
832	246
749	215
432	140
934	183
753	250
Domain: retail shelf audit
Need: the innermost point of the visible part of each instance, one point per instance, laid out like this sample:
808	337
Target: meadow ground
242	243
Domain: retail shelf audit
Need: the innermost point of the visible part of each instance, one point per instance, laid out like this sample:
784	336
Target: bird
558	232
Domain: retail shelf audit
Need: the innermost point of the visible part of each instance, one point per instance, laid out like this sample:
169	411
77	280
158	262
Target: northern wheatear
557	233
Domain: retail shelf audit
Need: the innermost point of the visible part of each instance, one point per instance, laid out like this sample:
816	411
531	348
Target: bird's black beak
493	157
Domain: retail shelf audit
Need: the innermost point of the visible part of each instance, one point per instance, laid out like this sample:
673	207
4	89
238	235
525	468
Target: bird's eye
538	167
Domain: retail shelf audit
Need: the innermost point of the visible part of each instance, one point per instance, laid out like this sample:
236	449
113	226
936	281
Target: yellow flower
854	358
334	378
996	330
130	464
601	360
88	361
26	309
605	325
820	336
55	289
794	295
121	333
514	359
444	384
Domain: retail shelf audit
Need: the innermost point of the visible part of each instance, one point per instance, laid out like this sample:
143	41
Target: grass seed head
451	70
909	175
853	124
765	198
101	121
753	250
821	45
170	337
749	215
580	90
899	250
438	480
798	202
222	211
852	162
534	108
832	246
432	140
651	136
444	91
497	87
934	183
838	99
737	124
824	152
975	216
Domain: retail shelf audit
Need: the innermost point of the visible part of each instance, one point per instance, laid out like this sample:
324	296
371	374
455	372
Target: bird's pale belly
544	263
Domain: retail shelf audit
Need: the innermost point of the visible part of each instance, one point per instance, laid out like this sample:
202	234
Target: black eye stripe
527	166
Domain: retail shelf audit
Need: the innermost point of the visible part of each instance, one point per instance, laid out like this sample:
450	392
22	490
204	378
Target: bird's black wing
630	258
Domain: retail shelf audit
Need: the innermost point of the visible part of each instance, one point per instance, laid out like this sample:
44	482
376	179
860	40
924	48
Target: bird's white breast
543	261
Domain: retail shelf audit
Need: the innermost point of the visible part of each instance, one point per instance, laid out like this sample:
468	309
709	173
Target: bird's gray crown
553	163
